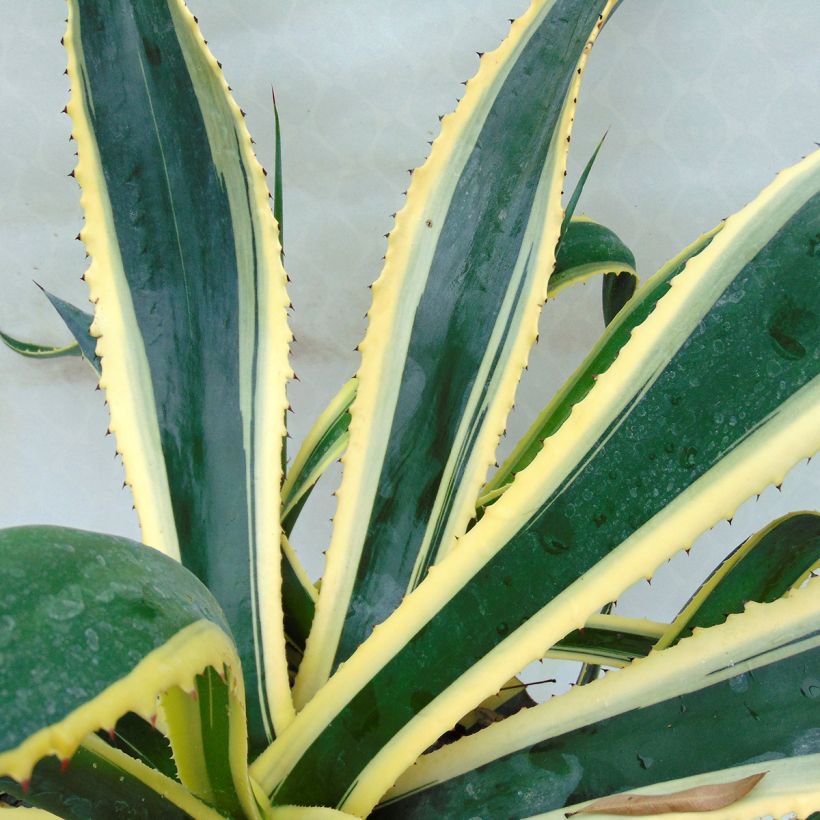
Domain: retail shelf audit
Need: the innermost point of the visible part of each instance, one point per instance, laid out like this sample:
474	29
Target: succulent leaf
190	310
454	315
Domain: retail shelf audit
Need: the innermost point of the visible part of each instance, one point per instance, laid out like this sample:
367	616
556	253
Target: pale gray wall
704	102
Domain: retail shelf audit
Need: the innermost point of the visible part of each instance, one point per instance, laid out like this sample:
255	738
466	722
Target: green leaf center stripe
495	236
490	606
263	366
473	421
202	263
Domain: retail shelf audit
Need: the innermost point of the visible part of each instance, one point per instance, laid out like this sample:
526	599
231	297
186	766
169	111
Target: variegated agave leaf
672	413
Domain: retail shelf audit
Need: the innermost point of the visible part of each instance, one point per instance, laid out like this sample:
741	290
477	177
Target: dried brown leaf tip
700	798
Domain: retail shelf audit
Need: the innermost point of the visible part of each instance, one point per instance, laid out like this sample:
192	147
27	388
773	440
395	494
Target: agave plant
202	674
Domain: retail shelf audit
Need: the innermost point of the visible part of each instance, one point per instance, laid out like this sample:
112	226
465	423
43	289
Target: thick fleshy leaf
113	627
738	692
598	361
761	569
713	397
190	311
454	315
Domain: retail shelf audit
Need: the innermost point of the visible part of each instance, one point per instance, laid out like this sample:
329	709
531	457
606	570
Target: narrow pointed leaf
278	179
572	204
726	696
190	310
454	315
77	321
110	628
713	397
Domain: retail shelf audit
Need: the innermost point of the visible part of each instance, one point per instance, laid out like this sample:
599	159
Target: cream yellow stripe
298	569
175	663
791	786
708	657
633	626
306	813
583	273
126	375
396	294
256	238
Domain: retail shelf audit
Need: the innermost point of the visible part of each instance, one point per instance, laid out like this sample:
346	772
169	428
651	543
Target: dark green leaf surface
758	715
137	738
298	605
680	424
616	290
470	275
103	604
215	737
